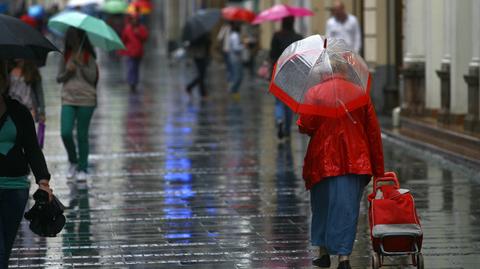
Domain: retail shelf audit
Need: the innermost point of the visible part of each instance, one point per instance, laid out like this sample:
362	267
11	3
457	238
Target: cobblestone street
179	183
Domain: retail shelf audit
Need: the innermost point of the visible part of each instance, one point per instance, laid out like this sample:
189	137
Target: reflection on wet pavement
190	184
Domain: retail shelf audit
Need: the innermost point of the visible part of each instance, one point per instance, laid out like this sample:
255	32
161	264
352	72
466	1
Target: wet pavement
179	183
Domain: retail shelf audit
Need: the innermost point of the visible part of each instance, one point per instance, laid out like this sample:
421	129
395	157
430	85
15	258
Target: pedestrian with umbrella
19	149
235	58
196	35
328	85
26	87
78	73
280	41
134	36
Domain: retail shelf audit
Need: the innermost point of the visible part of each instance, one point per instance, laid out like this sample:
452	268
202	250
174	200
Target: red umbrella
319	77
29	20
238	14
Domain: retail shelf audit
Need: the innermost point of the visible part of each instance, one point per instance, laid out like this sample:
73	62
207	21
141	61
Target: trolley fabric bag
394	224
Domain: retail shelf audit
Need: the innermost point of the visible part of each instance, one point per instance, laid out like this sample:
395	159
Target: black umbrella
46	218
19	40
200	23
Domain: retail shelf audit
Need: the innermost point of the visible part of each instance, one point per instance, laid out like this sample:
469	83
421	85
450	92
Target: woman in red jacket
134	36
342	155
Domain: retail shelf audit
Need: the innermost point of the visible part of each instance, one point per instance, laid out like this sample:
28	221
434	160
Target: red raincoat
350	144
133	37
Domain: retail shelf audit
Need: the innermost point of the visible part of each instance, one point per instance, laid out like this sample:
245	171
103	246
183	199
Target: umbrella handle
81	45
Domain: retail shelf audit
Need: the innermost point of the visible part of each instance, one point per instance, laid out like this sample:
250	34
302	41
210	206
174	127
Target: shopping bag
41	134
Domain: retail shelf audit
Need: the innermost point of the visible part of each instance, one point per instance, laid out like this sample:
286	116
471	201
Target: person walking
344	26
222	39
26	87
78	74
280	41
19	152
343	153
199	49
235	57
134	36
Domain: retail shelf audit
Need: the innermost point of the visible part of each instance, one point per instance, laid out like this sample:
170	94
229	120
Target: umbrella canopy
46	218
82	3
200	23
99	33
140	8
281	11
21	41
115	6
36	11
238	14
321	77
29	20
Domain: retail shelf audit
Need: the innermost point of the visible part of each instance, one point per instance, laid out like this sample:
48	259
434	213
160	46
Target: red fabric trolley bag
394	225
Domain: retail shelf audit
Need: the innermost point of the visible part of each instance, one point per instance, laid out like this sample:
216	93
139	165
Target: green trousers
81	115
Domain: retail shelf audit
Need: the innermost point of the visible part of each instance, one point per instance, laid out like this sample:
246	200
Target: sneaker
82	176
72	171
323	262
344	265
236	96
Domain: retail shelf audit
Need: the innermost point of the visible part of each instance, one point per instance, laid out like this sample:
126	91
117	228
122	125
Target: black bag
46	218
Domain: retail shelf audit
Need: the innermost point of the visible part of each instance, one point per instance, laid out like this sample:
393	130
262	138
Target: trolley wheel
419	259
376	260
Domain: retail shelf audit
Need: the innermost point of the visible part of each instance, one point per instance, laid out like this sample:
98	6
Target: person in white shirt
344	26
222	38
235	57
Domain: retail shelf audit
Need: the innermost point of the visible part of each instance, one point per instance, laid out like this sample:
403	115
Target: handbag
41	134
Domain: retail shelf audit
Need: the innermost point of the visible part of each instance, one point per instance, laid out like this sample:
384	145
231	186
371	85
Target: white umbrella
81	3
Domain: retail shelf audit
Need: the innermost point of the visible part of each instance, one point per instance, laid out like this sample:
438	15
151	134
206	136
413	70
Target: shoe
188	90
280	130
236	96
344	265
82	176
72	171
323	261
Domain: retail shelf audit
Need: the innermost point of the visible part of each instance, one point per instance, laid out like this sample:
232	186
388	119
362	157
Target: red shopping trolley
394	225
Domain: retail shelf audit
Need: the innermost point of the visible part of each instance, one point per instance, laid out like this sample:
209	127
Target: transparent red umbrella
321	77
238	14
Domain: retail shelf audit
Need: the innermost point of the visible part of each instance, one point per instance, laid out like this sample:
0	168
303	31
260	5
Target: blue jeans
283	114
335	203
237	72
133	71
228	66
12	207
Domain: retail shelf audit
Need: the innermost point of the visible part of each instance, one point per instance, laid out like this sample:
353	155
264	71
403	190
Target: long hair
30	72
4	78
75	38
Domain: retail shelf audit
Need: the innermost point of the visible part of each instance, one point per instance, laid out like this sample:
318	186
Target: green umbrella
99	33
115	6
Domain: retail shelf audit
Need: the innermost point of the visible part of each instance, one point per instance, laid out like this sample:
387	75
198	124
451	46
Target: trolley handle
389	178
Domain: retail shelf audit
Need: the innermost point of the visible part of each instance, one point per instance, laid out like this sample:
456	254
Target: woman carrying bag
19	152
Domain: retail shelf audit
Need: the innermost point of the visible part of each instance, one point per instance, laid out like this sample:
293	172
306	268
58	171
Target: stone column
472	78
444	71
433	54
414	59
461	48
